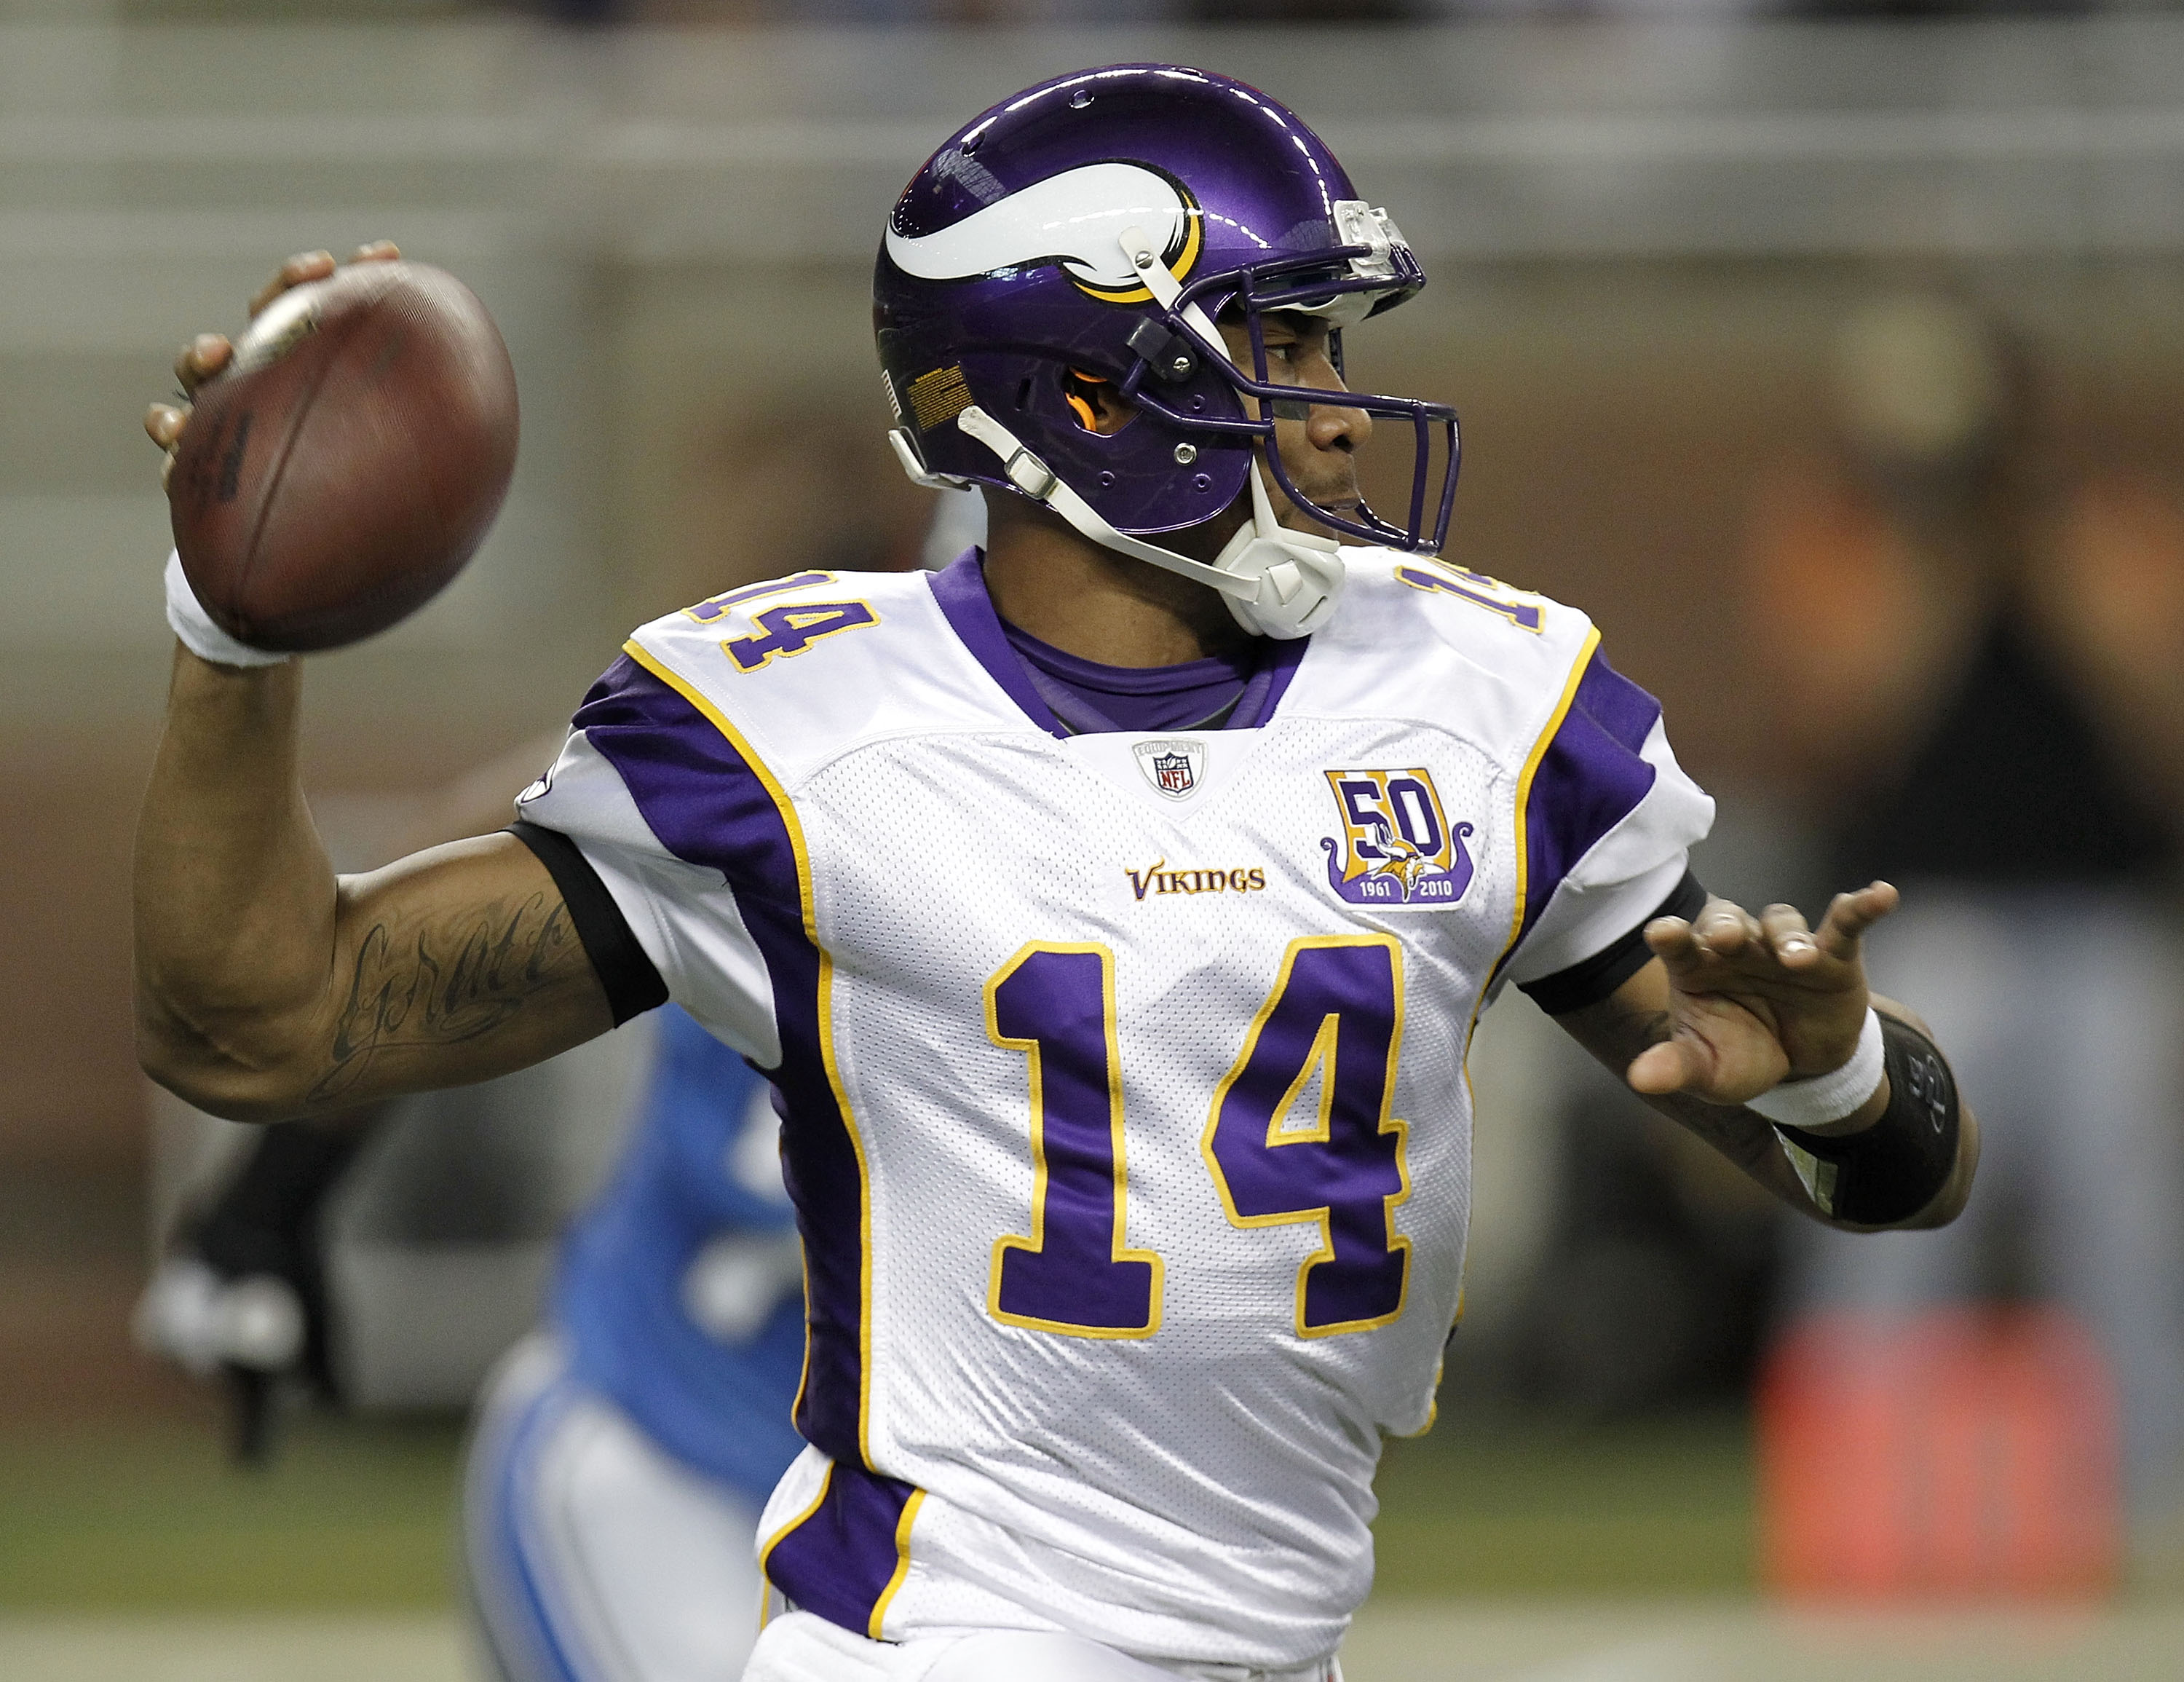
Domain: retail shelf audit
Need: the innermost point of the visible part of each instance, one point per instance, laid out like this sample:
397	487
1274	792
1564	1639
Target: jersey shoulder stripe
712	801
1592	773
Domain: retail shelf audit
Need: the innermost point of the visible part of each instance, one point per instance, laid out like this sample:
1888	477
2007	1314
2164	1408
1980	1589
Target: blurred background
1831	356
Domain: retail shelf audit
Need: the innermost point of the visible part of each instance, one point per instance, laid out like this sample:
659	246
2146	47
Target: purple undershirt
1228	691
1087	696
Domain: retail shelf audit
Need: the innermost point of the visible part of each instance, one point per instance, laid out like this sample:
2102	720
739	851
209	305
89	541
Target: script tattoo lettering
445	982
1745	1138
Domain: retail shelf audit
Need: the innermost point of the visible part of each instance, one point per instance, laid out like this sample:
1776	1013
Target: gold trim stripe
779	1537
794	829
875	1624
1516	916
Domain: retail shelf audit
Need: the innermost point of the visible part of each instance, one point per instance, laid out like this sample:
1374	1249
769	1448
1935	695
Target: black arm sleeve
1896	1167
1592	979
633	985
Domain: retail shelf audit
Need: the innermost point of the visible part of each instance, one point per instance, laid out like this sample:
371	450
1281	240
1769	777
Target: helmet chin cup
1299	581
1278	583
1300	574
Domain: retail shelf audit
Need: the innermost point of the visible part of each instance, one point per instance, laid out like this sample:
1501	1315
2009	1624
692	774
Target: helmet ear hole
1088	395
1024	394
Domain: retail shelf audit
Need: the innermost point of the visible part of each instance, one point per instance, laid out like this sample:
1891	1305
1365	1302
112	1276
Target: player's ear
1098	406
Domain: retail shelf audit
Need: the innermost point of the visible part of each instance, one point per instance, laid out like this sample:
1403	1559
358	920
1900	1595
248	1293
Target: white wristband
1830	1097
195	626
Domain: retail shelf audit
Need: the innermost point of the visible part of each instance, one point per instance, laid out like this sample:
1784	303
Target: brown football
350	459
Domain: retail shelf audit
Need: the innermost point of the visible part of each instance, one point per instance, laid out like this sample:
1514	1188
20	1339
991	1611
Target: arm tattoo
447	981
1740	1136
1617	1036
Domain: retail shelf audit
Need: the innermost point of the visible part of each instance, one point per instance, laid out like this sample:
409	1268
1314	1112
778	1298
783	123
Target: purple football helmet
1099	224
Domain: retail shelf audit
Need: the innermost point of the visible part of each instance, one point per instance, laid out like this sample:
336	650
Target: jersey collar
959	589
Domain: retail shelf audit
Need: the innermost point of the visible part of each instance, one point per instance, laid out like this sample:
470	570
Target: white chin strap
1276	582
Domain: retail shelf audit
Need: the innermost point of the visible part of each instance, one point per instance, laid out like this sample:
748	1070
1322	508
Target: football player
623	1455
1111	909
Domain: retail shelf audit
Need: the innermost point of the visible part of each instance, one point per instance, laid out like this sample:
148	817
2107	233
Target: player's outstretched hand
207	353
1753	1001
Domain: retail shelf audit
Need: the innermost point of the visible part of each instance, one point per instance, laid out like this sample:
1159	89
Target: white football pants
593	1556
800	1646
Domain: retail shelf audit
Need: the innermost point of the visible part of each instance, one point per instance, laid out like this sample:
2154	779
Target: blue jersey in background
680	1289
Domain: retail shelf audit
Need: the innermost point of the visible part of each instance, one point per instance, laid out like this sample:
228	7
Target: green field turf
358	1516
1504	1504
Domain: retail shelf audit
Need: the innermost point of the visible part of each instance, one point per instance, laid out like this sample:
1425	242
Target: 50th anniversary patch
1397	846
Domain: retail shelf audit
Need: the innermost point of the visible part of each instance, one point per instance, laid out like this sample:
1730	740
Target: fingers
163	423
1789	936
304	267
1849	914
201	359
1727	934
1671	939
1722	930
198	361
1668	1067
209	353
1725	928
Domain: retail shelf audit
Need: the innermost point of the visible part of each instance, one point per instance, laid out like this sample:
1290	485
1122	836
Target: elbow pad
1894	1168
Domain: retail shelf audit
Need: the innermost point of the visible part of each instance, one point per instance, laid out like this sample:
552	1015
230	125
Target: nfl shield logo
1172	767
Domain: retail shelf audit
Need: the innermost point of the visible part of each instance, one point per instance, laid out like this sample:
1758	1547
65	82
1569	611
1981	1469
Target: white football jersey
1126	1114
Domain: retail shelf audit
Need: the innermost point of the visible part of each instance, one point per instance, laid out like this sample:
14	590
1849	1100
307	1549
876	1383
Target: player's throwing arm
267	986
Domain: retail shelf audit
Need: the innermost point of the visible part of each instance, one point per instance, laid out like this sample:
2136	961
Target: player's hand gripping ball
342	465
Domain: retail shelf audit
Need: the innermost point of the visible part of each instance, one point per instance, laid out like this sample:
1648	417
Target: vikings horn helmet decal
1075	219
1095	228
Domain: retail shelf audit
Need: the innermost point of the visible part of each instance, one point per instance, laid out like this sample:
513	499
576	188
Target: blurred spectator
243	1297
1659	1268
1975	661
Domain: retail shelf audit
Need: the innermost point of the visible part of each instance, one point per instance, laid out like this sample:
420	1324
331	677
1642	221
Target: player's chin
1340	503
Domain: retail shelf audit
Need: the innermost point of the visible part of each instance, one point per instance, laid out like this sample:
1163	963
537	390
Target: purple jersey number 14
1332	1025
